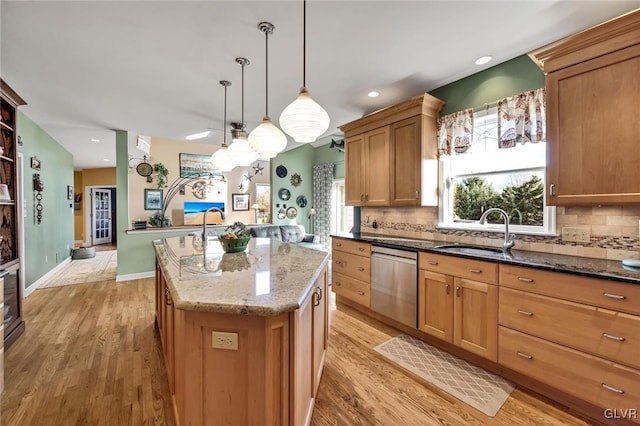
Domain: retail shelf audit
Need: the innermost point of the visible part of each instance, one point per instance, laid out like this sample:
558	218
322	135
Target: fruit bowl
234	245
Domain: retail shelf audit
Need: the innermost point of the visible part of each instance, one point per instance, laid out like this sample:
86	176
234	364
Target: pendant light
240	151
266	139
304	119
221	159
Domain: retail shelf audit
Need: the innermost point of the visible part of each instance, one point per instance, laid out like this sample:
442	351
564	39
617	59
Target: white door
101	216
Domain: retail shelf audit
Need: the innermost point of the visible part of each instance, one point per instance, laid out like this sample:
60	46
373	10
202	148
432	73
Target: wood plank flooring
91	356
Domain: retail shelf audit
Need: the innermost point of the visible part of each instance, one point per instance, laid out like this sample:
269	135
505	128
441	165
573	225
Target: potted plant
161	175
157	219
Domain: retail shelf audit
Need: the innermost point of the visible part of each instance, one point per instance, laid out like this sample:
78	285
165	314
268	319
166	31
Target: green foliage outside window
523	202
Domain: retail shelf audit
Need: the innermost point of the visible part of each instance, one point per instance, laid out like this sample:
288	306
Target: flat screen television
194	212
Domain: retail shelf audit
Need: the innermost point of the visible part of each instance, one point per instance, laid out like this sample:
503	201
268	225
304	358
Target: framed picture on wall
69	192
240	202
153	199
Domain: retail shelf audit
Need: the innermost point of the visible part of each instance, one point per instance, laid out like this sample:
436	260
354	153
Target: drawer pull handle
614	296
458	291
612	337
432	262
475	271
527	313
361	293
167	296
361	269
447	288
612	389
525	280
523	355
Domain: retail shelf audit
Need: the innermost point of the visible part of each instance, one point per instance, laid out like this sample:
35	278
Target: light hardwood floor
91	356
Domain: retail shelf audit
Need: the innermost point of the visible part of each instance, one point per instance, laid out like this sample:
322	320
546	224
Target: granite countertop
269	278
597	268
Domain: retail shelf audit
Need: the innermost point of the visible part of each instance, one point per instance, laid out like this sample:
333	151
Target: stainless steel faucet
509	240
204	226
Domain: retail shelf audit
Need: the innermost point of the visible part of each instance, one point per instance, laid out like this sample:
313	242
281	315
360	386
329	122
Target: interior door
101	216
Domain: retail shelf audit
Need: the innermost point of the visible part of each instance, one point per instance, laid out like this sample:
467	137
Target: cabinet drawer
354	247
609	334
351	288
358	267
593	379
476	270
592	291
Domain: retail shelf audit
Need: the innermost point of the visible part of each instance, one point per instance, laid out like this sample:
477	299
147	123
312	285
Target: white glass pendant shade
221	159
267	140
304	119
241	153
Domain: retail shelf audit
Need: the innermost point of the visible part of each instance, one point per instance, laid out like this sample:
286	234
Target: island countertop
269	278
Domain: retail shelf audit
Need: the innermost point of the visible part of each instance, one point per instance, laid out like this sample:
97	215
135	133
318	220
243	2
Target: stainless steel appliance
394	284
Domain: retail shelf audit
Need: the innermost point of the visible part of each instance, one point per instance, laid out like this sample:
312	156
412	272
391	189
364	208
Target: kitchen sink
468	249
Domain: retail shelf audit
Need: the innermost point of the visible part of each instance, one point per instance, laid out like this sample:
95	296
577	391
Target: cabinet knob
614	296
361	293
167	296
552	188
458	291
361	269
523	355
612	337
339	244
338	283
612	389
339	262
361	197
361	248
366	197
447	290
417	194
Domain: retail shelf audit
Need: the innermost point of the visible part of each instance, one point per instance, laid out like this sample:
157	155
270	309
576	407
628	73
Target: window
486	176
342	220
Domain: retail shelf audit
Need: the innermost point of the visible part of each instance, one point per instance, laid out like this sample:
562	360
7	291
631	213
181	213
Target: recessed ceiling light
95	140
198	135
483	60
105	159
373	94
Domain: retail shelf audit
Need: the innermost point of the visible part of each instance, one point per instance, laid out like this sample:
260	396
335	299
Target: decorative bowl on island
235	238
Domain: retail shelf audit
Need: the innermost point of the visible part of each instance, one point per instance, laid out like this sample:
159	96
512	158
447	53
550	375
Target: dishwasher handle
393	258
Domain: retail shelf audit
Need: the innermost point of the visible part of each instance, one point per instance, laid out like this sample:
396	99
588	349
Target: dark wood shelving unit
9	260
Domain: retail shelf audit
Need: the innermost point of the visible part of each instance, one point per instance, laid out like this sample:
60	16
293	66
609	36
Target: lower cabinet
271	379
458	310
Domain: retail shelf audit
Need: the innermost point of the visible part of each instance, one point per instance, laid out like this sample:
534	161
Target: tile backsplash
614	230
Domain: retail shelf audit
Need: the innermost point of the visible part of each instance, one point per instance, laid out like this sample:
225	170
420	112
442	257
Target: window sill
498	229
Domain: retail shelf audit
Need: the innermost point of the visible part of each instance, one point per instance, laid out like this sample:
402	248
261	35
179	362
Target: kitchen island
244	335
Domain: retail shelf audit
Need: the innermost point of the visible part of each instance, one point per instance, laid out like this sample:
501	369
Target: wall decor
240	202
69	192
281	171
301	201
153	199
281	214
248	177
295	180
35	163
194	165
38	187
292	212
284	194
143	168
194	212
258	168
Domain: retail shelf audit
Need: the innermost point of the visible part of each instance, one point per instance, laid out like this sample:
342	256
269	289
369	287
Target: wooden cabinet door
320	328
435	305
592	131
475	317
169	344
302	392
159	300
377	167
354	170
406	158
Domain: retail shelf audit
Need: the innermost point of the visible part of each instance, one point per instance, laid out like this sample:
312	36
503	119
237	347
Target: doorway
342	216
100	216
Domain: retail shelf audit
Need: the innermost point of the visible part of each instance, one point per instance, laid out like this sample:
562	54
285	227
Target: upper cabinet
391	156
593	92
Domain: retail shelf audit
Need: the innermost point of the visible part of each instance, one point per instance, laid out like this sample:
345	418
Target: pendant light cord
266	79
243	64
224	123
304	43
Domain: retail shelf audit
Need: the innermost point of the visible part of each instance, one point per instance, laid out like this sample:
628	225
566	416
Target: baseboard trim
137	276
33	287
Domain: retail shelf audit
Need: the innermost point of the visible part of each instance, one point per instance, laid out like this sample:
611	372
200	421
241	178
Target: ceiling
152	67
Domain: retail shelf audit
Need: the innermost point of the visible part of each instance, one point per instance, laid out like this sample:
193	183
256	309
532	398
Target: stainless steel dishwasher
394	284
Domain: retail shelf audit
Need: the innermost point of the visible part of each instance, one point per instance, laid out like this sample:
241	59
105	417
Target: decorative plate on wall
292	212
281	214
301	201
296	180
281	171
284	194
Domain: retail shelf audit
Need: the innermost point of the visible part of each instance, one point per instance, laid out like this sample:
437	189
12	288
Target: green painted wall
324	155
53	237
299	160
508	78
